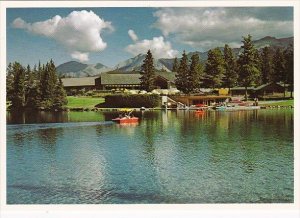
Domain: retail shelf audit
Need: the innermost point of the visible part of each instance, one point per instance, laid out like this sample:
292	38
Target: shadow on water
90	195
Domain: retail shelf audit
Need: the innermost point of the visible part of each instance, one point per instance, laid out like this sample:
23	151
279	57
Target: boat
236	108
122	120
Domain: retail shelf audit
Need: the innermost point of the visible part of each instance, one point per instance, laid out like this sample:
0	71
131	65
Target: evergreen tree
195	73
60	96
175	65
26	90
248	64
266	65
289	60
258	62
148	74
214	68
278	66
18	86
48	84
9	82
182	75
230	73
28	83
32	94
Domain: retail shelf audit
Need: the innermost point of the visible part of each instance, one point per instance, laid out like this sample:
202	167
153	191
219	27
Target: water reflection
168	157
49	137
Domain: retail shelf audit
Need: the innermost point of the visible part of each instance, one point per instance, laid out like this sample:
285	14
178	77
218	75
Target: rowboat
122	120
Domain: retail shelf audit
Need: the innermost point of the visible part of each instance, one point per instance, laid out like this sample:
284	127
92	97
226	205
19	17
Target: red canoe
126	120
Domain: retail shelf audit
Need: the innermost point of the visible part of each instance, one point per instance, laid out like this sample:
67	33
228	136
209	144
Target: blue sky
101	35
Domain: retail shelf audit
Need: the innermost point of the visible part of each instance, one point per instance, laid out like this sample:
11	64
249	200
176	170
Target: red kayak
126	120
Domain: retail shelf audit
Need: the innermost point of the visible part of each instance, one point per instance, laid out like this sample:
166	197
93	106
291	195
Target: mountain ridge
77	69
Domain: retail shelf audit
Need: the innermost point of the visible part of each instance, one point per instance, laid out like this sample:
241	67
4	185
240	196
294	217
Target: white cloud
205	28
132	35
159	48
80	56
79	32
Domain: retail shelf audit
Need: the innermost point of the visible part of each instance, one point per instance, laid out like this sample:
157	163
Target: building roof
260	87
267	84
82	81
242	88
114	78
120	78
169	76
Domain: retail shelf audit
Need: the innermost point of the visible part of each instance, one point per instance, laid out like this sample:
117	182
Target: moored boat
236	108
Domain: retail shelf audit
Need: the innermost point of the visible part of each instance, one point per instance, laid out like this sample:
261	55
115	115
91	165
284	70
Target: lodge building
118	80
165	80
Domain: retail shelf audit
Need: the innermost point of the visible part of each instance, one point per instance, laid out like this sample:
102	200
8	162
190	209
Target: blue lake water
169	157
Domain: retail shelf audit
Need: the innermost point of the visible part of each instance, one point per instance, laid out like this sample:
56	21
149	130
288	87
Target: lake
169	157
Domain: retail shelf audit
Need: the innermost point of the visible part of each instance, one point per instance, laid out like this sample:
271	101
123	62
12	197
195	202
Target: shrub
134	100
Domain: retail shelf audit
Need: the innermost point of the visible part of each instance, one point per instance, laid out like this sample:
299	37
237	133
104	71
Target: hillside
76	69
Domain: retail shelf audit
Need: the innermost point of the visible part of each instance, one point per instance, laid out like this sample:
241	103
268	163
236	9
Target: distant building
236	91
115	80
118	80
87	83
268	89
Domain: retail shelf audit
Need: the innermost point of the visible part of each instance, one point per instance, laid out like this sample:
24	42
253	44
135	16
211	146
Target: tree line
37	88
223	69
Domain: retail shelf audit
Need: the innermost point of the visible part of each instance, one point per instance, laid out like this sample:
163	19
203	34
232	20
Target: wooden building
270	89
265	90
240	91
114	80
87	83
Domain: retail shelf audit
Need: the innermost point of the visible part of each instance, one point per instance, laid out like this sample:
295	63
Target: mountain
135	64
76	69
273	42
268	41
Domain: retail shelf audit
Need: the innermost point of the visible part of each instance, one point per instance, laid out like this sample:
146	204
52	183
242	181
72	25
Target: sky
112	35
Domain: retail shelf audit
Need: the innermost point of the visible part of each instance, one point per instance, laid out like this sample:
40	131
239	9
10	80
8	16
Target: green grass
277	103
84	102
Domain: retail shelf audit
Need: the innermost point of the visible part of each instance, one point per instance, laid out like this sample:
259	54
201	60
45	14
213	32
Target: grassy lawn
277	103
84	102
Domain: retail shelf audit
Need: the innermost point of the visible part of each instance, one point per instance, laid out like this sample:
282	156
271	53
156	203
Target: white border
146	210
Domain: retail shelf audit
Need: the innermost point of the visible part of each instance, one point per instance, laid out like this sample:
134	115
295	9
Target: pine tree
230	73
195	73
32	96
148	74
289	60
278	66
9	82
248	64
175	65
18	86
26	90
48	84
182	75
214	68
266	65
60	96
